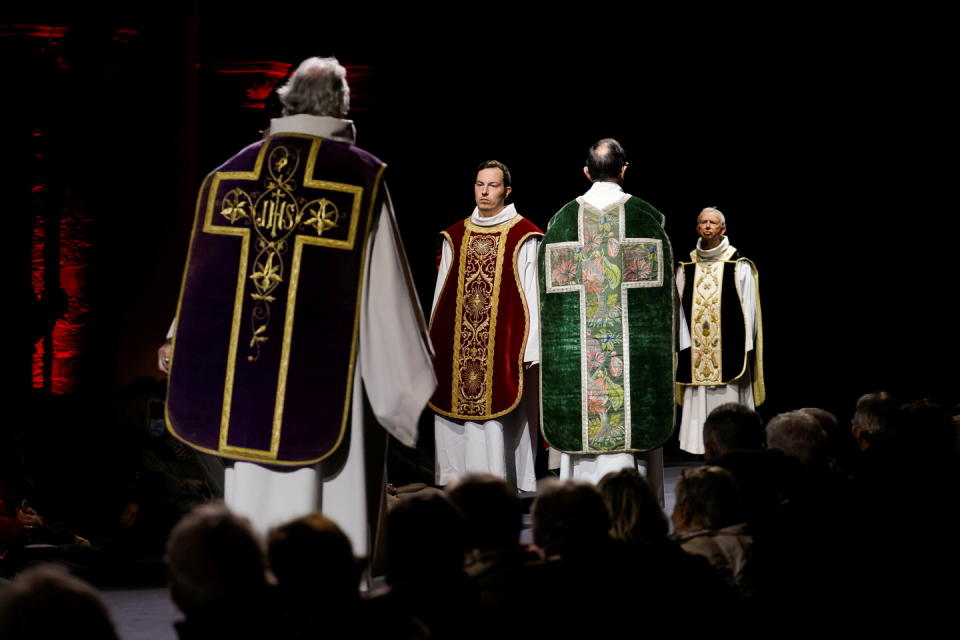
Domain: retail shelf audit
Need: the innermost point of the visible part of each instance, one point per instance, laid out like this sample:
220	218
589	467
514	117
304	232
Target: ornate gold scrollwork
705	328
475	311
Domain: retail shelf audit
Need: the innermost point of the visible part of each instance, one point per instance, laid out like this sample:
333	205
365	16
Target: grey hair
723	219
212	554
799	435
318	87
45	601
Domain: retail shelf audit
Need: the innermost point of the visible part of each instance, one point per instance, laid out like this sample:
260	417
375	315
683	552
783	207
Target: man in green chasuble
607	330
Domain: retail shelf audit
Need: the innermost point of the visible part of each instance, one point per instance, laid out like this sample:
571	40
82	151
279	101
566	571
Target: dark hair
734	426
874	415
496	164
569	516
312	553
491	511
925	424
605	160
425	539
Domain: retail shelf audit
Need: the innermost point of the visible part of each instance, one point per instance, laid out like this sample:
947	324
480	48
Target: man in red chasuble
485	332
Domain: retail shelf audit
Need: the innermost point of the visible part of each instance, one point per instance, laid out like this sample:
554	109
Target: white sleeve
395	354
527	269
446	257
748	298
682	327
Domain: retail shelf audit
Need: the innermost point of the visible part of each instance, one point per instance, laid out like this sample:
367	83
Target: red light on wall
38	378
260	78
37	280
33	31
124	35
263	76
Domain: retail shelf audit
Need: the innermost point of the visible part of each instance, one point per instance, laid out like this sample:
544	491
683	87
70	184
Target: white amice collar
717	253
602	194
508	212
321	126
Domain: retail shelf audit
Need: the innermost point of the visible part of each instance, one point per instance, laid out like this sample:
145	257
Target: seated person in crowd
708	521
217	572
47	602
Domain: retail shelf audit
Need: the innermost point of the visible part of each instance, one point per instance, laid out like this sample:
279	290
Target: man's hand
29	518
163	356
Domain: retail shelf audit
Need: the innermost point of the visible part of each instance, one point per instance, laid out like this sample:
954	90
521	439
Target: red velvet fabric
508	340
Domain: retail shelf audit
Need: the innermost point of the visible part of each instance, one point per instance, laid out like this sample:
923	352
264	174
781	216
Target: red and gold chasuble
480	324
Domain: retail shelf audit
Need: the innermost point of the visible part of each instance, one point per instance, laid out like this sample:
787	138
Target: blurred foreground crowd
799	525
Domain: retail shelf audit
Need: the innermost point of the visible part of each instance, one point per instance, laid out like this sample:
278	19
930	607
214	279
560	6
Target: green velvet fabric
600	373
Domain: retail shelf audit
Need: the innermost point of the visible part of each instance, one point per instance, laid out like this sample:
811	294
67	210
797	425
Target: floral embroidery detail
637	270
640	263
604	265
616	366
472	378
564	270
591	241
613	247
595	357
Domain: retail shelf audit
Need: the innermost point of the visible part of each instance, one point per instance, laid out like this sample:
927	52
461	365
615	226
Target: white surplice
505	446
394	365
700	400
593	467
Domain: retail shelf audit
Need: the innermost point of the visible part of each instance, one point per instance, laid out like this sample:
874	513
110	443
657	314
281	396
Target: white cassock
700	400
593	467
395	364
505	446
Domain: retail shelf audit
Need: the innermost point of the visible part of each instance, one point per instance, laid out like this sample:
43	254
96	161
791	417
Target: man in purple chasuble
485	330
297	320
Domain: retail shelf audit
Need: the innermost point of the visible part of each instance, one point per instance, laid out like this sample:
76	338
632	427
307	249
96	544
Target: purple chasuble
266	339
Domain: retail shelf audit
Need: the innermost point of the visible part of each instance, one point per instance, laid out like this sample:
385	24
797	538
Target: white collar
603	194
320	126
508	212
717	253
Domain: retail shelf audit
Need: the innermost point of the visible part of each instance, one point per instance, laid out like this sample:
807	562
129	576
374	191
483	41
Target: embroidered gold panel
478	292
705	335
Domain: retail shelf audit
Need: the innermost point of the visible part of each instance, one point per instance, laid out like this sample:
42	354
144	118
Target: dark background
822	137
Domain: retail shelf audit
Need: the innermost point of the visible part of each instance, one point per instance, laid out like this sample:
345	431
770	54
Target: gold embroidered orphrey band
706	340
320	217
705	337
474	333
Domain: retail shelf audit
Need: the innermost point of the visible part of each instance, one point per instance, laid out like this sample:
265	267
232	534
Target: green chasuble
607	328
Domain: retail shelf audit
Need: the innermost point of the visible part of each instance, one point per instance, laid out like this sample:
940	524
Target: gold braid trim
759	388
759	382
481	344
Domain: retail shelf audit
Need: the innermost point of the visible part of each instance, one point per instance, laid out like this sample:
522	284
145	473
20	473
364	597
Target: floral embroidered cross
601	266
